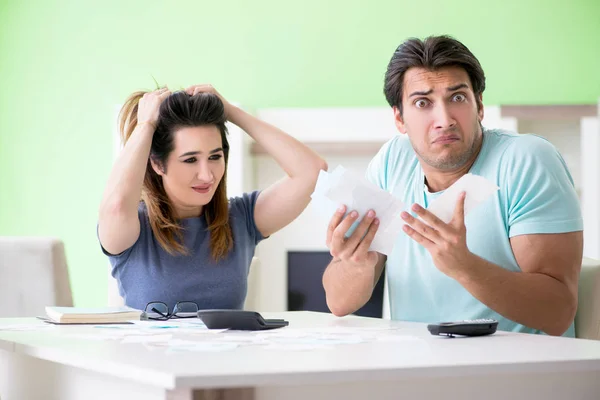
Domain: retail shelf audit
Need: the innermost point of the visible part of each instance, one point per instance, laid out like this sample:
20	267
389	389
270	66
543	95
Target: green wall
65	64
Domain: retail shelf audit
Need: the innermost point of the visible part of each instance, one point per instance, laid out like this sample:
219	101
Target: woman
185	241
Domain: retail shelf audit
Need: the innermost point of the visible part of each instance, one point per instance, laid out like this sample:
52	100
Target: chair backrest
33	275
587	319
115	299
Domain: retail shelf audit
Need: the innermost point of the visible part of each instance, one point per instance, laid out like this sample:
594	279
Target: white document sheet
477	188
357	194
147	338
27	327
343	187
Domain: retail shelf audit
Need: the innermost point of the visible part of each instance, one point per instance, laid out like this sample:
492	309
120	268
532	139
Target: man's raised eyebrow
421	93
456	87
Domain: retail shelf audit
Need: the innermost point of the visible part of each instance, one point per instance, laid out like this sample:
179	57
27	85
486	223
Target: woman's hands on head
207	88
149	106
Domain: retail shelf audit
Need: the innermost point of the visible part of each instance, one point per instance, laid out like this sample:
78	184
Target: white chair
587	319
33	275
252	299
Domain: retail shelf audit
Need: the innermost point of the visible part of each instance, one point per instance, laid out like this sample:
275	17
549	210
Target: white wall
240	177
590	197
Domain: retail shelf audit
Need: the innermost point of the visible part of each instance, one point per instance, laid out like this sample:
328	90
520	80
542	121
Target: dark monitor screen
305	285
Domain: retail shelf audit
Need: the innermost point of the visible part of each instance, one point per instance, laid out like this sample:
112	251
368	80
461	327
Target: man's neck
437	180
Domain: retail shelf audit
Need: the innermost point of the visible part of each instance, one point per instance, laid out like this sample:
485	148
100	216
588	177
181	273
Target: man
515	258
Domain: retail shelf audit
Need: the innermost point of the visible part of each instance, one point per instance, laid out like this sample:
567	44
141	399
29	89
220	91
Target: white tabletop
409	351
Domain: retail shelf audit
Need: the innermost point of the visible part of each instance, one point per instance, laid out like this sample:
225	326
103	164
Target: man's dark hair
433	53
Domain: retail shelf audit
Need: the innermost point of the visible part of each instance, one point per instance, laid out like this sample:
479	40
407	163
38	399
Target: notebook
79	315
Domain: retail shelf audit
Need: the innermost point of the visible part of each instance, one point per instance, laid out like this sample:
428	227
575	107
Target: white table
52	365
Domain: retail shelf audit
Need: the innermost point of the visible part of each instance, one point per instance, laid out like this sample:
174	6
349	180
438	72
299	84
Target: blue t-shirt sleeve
242	211
540	193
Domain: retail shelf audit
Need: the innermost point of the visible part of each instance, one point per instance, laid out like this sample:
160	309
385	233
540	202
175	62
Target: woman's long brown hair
177	111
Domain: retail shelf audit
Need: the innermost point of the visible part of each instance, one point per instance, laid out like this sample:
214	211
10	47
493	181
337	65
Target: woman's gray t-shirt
146	272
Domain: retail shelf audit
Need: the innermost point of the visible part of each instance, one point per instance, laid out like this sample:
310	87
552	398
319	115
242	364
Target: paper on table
173	323
318	339
297	347
98	337
176	346
146	338
358	194
26	327
477	188
399	338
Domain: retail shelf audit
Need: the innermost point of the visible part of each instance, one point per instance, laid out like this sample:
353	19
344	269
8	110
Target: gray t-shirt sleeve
242	208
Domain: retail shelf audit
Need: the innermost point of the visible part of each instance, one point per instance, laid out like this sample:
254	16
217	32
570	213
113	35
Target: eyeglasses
157	310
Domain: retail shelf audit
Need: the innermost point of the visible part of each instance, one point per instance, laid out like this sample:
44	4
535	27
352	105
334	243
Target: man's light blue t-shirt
536	196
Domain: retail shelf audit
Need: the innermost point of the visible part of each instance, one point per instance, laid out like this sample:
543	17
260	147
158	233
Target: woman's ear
157	168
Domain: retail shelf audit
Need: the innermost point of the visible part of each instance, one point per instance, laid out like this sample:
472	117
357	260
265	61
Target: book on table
80	315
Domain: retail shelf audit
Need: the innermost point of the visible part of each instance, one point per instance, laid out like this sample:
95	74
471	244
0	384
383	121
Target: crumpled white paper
477	188
356	193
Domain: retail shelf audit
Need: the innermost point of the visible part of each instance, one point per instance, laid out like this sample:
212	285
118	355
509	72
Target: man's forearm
347	288
535	300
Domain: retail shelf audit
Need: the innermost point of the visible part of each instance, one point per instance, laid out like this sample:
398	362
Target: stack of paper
75	315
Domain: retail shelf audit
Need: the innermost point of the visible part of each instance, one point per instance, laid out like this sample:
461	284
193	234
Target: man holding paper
493	228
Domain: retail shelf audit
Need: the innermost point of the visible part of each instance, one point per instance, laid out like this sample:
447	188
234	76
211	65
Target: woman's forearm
124	187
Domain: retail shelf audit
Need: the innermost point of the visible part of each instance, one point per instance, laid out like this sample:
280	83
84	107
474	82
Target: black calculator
238	320
472	327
